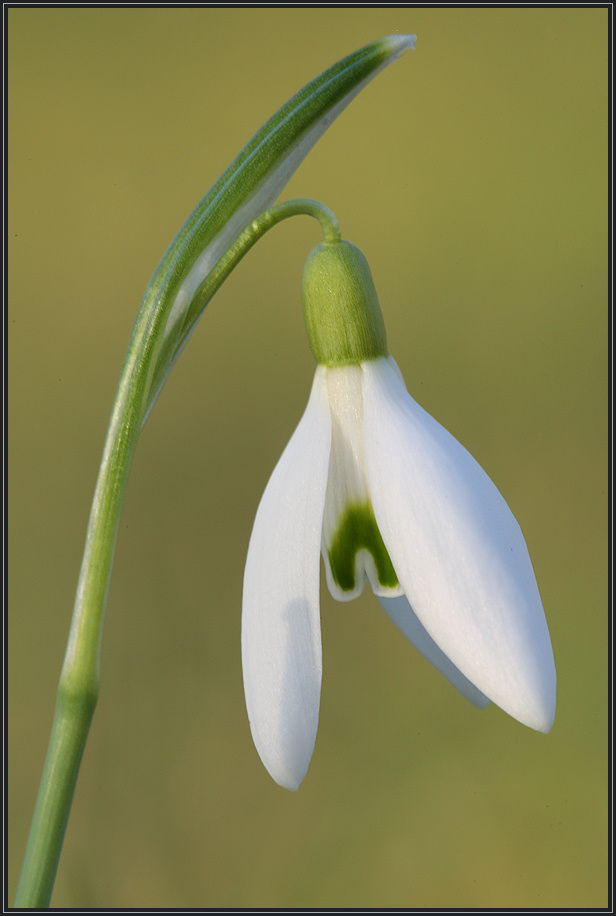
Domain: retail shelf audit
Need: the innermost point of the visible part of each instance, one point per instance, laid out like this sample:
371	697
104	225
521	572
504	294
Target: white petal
458	551
281	630
404	617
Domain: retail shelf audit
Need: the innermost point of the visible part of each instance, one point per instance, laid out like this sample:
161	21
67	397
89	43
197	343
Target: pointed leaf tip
401	43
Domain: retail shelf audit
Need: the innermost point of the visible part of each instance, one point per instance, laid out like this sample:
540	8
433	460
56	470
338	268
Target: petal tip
545	717
536	708
287	769
540	721
291	785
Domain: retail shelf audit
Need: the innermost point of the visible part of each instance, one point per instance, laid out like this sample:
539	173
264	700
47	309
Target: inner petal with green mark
357	552
352	546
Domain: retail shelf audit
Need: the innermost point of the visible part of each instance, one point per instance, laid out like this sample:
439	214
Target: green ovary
358	530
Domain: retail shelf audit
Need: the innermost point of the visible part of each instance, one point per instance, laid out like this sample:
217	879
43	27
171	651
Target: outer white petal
405	618
458	551
281	630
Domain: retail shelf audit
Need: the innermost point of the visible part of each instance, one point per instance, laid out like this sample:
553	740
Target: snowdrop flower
374	484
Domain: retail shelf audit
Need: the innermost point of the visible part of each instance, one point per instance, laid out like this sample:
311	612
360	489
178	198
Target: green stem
147	358
242	245
173	346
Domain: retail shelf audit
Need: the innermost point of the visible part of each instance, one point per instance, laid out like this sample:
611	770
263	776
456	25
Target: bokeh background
472	173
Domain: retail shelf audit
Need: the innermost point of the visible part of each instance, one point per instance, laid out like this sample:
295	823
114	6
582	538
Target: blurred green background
472	173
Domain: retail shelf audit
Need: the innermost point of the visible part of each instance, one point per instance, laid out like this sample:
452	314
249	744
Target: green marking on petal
356	531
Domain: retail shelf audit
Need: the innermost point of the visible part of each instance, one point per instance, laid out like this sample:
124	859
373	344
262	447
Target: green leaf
248	187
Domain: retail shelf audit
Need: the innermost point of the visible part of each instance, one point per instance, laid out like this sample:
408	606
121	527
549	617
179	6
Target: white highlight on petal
347	479
457	550
405	618
281	629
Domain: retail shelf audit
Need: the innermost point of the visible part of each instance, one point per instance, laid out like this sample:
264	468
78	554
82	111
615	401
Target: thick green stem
80	677
69	733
